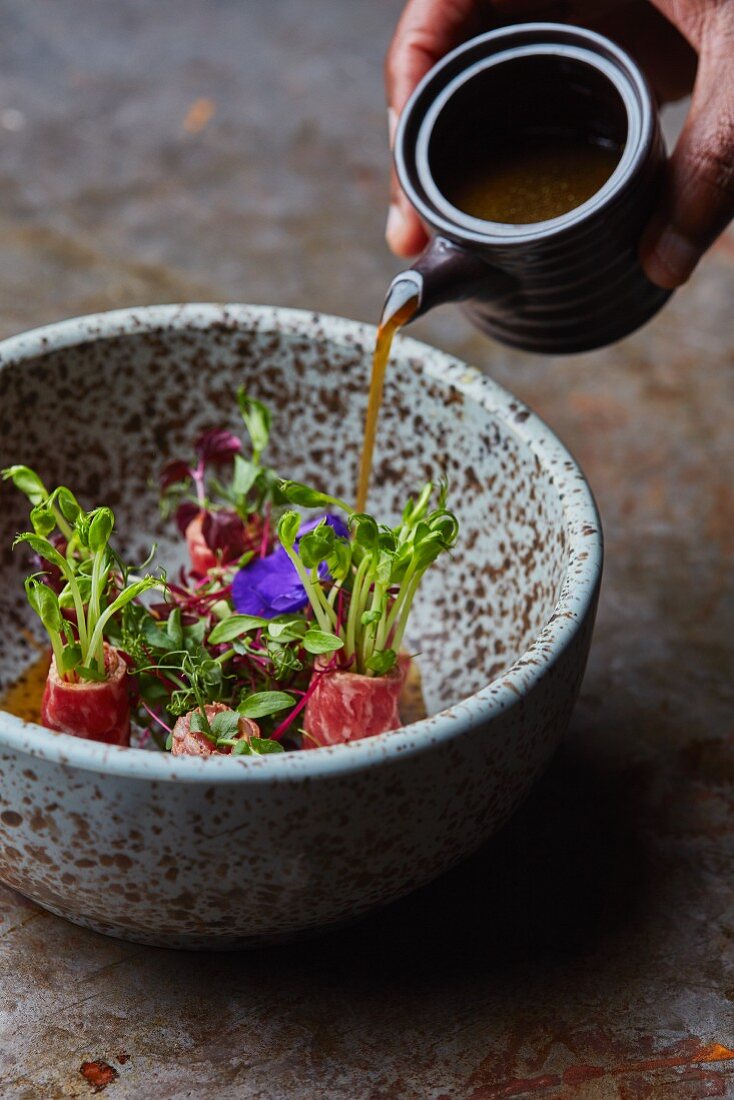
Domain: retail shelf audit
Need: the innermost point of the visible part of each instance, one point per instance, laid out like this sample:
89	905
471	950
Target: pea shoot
76	617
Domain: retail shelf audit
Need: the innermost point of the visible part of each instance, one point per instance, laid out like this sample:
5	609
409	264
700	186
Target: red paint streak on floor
699	1052
688	1053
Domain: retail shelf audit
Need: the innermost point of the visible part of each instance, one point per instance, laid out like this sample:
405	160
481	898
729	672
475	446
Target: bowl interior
105	411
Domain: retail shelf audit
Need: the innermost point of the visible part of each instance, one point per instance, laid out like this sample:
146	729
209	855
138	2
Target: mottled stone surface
588	951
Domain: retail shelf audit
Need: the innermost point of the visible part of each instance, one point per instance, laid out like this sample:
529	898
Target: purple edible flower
271	586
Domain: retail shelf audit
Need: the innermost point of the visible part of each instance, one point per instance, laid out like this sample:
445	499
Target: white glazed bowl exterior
186	852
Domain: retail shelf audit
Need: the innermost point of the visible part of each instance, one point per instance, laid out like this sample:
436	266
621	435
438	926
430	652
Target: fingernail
392	125
394	222
673	258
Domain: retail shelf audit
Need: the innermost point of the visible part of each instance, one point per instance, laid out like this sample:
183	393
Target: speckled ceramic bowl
223	852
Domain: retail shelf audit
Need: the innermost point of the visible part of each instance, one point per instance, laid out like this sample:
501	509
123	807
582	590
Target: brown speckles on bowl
227	853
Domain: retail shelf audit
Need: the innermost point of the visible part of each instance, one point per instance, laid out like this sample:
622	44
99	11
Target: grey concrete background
178	150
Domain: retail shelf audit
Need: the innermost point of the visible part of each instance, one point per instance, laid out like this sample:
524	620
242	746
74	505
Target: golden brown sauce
412	704
534	179
385	333
23	698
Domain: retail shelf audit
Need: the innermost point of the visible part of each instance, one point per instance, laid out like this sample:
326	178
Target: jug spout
444	272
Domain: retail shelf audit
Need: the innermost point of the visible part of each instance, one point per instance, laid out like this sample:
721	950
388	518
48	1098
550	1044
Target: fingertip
669	257
392	125
404	233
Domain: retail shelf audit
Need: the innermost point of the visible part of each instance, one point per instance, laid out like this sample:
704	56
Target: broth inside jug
532	178
527	141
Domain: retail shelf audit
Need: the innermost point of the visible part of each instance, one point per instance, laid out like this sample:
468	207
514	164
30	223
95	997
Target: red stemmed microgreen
193	488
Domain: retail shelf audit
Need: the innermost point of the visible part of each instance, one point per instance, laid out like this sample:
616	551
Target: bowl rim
575	602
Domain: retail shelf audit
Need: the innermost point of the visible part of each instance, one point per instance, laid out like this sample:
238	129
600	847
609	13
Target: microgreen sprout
237	649
77	617
190	489
361	589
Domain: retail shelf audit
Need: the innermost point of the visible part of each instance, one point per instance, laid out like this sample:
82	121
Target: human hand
681	45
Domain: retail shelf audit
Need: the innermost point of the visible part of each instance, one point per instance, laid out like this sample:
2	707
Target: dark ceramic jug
567	284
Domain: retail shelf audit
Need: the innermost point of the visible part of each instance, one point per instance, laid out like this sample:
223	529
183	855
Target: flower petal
224	531
218	446
185	513
246	598
271	586
173	473
293	600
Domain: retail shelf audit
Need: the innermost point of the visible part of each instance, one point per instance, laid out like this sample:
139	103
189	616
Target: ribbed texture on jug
579	283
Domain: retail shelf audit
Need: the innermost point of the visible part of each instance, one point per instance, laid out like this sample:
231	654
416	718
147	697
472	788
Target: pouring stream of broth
531	179
394	316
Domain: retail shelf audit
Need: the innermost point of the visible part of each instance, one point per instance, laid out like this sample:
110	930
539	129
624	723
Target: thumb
698	197
427	30
404	232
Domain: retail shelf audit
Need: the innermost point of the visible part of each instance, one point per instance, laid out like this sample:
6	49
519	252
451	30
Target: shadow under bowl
224	853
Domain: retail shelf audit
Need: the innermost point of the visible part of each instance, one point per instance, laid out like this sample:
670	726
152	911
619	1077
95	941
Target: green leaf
387	541
287	629
262	703
318	641
340	559
174	630
256	746
44	549
383	570
430	548
295	492
132	592
27	481
195	632
234	627
45	603
288	528
316	546
87	672
421	531
262	745
366	531
43	519
244	476
70	658
225	725
199	723
155	634
169	742
100	529
67	503
257	420
382	662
